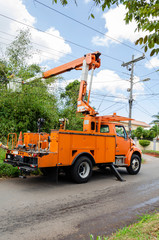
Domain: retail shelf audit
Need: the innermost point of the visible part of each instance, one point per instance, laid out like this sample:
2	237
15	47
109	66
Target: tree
145	133
70	96
21	108
18	53
156	121
19	111
139	132
3	73
144	13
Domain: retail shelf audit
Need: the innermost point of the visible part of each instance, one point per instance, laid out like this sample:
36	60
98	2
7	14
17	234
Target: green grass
150	151
146	228
153	153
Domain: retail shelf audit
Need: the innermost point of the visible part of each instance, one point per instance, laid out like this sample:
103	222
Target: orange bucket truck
103	142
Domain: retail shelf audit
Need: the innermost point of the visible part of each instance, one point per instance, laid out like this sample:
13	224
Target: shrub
144	143
8	170
2	155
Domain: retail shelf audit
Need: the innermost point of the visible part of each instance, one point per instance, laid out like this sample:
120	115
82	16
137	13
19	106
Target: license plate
15	152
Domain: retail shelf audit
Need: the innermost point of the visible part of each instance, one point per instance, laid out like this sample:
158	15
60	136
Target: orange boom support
103	142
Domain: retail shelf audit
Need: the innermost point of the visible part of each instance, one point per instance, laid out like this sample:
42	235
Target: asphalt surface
39	209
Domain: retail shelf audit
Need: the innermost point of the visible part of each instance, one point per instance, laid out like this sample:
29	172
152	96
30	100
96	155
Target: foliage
2	155
3	72
19	111
133	134
156	118
144	143
21	107
70	96
18	53
143	12
139	132
155	128
8	170
145	228
145	134
98	238
152	153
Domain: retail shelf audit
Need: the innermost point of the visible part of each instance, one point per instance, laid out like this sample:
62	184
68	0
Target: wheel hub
84	170
135	164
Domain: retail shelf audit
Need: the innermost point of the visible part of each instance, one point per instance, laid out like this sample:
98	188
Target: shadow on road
63	179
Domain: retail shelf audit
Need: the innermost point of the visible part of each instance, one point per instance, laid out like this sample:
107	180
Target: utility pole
131	85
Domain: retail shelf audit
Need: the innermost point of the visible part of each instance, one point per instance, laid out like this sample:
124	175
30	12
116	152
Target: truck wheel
82	170
135	165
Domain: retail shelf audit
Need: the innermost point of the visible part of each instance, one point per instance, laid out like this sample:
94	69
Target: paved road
37	209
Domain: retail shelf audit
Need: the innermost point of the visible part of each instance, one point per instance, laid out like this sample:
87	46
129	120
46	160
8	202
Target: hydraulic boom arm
90	61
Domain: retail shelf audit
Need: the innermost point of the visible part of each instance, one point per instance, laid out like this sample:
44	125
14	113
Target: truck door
122	140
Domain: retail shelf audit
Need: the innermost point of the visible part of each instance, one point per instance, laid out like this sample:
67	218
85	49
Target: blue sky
62	40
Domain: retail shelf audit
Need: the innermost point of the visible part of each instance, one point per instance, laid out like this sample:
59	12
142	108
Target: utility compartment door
105	149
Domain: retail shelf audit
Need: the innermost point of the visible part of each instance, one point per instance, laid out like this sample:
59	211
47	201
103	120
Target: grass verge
151	152
146	228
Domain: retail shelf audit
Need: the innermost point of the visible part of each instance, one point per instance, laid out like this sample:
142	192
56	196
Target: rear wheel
135	165
81	171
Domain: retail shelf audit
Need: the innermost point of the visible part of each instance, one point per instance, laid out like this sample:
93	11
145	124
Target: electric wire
87	26
39	44
50	34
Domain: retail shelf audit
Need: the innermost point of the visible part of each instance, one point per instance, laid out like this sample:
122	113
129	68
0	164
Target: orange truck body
65	147
103	141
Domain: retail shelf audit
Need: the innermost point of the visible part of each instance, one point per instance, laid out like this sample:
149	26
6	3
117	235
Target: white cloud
116	28
87	1
109	81
154	62
17	10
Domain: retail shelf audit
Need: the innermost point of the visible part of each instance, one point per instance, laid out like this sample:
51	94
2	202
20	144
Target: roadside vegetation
5	169
145	134
146	228
22	103
151	152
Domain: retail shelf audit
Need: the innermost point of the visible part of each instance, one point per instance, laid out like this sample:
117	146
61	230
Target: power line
39	44
118	109
40	54
85	25
143	111
148	74
143	108
124	73
108	107
50	34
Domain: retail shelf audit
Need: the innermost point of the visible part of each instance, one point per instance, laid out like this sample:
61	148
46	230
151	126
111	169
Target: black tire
135	165
81	171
